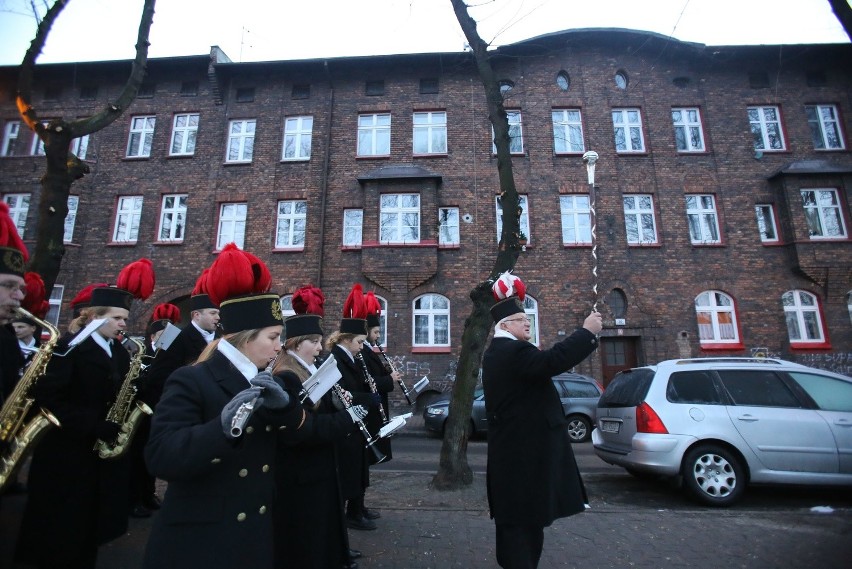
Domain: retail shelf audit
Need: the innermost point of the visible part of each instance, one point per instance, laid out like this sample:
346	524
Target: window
290	227
639	219
757	389
703	222
628	130
448	226
353	227
232	225
622	80
689	136
568	131
516	133
383	321
374	88
146	90
244	94
524	221
717	318
10	136
71	219
430	133
189	88
141	136
692	387
37	145
88	92
804	322
173	217
184	134
287	305
563	80
241	140
616	300
766	223
297	138
431	320
374	135
399	218
828	393
758	79
531	310
429	86
765	124
128	212
300	92
19	206
506	87
80	147
825	127
576	219
55	303
822	212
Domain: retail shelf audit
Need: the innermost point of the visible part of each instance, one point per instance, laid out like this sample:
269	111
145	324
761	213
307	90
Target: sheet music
420	385
87	331
320	382
170	332
394	425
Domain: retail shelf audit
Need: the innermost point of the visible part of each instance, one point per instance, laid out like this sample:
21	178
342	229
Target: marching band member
214	432
83	298
13	256
78	501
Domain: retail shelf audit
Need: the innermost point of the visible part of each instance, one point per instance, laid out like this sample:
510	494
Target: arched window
717	318
287	305
383	322
804	322
431	321
563	80
531	310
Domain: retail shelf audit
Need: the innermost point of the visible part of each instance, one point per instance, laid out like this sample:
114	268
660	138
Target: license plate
610	426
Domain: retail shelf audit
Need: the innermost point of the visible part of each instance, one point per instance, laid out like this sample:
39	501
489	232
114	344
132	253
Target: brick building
722	191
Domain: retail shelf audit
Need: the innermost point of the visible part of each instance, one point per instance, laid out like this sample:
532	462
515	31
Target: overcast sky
263	30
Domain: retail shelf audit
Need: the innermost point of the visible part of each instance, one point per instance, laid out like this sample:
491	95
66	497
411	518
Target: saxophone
16	437
125	411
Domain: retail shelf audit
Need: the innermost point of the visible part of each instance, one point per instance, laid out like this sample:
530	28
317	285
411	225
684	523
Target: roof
811	167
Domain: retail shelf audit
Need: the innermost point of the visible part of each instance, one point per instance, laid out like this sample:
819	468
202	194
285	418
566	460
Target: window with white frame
430	132
287	305
241	140
290	227
804	322
766	131
822	212
568	131
173	217
531	310
702	218
639	219
10	137
766	225
141	136
353	227
717	318
516	133
627	125
232	225
431	320
825	127
128	212
184	134
576	219
383	322
19	206
689	135
80	147
399	218
71	219
297	138
524	221
448	226
374	131
55	304
849	304
37	144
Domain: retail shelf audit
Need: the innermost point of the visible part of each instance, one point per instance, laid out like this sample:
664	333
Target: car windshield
627	389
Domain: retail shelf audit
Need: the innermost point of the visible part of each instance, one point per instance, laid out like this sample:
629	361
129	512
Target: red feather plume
9	233
201	283
166	311
235	273
372	305
262	276
137	278
34	302
309	300
85	294
354	306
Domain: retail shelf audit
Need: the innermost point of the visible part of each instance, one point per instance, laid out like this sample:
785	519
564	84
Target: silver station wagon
723	423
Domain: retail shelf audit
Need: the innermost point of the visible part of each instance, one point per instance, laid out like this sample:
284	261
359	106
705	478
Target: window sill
736	347
180	156
576	245
631	153
693	152
135	158
432	155
168	243
373	157
298	249
237	163
122	244
810	346
431	349
708	245
72	244
374	244
654	245
449	246
571	154
350	247
772	243
291	160
827	240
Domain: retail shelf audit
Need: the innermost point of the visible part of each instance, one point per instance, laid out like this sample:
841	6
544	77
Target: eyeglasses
12	286
525	319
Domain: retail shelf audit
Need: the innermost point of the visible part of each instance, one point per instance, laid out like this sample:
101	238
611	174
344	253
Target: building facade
721	196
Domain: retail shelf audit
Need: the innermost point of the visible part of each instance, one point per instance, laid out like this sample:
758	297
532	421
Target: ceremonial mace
590	158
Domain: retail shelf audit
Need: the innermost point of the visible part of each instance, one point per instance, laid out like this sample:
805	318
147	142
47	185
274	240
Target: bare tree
843	11
63	167
453	470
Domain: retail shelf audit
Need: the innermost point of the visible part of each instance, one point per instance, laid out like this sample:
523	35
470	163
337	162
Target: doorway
617	354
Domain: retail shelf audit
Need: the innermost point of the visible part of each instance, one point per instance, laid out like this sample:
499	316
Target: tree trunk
843	11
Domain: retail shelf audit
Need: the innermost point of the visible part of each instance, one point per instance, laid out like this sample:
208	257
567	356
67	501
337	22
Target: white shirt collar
30	344
208	336
310	367
102	342
236	357
347	352
500	333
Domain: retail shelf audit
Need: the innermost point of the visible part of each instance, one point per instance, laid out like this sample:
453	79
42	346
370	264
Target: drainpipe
325	172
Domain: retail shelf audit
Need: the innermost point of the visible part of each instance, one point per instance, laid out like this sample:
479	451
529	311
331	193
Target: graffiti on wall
838	362
410	368
763	352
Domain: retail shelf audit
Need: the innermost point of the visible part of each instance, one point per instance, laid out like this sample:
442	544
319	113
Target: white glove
357	412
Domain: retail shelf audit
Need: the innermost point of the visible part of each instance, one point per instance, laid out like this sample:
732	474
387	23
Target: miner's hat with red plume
374	310
199	300
84	298
354	313
13	252
34	300
136	280
509	292
308	302
239	283
163	315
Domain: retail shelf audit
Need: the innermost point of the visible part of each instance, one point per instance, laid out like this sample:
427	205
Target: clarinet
371	383
371	440
245	411
390	367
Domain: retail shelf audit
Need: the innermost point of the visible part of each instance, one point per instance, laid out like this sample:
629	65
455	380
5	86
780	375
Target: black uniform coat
76	500
384	385
184	350
532	477
310	532
217	511
11	361
354	471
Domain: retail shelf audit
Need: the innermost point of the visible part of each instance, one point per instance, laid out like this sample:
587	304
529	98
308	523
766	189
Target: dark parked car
579	395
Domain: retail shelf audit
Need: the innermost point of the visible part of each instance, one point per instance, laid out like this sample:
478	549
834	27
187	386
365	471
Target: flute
371	440
392	369
245	411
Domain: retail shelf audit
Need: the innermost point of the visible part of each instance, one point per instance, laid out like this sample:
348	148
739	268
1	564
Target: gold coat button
265	468
268	428
216	461
241	517
249	430
262	509
243	473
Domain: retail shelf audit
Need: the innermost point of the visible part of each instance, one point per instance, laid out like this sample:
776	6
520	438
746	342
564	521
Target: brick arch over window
716	316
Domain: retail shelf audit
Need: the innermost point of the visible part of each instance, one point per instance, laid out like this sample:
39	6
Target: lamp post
590	158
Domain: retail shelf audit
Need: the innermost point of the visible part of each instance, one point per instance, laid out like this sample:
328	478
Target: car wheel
713	475
579	429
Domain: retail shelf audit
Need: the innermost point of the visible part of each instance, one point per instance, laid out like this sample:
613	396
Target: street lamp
591	158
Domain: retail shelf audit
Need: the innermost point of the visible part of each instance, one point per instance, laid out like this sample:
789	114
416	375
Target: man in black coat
532	477
13	256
